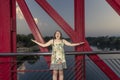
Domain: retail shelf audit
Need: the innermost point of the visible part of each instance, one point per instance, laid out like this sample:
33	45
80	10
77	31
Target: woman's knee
60	72
55	72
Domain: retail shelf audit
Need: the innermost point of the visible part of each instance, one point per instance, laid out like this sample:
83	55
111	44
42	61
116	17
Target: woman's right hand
32	40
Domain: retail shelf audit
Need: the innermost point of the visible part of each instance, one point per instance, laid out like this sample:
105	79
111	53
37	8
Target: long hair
60	34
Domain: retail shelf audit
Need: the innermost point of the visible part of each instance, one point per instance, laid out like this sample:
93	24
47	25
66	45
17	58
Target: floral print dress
58	61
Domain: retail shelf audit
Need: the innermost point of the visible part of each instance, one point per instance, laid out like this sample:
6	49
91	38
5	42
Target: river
92	71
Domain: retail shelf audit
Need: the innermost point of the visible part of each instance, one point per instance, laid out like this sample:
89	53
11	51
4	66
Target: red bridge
8	37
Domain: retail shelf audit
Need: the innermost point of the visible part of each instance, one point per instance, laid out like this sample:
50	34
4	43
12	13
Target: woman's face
57	35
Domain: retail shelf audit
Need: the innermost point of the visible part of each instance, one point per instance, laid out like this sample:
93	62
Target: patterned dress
58	61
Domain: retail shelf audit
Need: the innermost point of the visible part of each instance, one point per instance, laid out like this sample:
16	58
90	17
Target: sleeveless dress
58	61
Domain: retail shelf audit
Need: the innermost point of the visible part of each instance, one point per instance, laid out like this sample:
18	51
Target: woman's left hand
82	43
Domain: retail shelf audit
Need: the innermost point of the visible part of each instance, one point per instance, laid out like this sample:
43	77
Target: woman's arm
72	44
43	44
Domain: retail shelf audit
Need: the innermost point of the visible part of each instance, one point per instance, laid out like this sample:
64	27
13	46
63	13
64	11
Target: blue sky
100	18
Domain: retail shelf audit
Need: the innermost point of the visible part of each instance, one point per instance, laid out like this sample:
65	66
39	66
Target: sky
100	18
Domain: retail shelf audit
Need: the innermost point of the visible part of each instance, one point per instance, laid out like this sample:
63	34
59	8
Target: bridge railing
33	66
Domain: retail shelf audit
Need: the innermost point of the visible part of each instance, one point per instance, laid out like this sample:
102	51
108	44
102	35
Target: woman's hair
60	34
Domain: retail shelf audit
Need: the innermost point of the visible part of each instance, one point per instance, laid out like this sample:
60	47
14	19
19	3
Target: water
92	71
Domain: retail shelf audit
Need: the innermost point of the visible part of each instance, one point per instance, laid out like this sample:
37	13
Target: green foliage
30	59
105	42
101	42
25	39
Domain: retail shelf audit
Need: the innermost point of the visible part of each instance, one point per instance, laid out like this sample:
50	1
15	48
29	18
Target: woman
58	61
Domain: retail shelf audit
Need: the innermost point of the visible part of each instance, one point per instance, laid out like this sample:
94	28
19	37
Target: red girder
30	20
79	22
115	4
56	17
32	25
7	37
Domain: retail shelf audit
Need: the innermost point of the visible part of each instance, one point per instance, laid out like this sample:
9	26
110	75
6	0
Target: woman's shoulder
63	40
51	40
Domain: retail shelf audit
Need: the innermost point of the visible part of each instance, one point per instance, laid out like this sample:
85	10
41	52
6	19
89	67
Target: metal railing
37	68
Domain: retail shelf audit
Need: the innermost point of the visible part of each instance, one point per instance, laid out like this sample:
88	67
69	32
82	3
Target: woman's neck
57	39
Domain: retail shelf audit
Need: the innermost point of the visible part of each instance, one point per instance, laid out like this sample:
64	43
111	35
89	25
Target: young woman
58	61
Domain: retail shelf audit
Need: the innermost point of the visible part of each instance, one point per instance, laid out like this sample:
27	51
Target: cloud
19	13
36	20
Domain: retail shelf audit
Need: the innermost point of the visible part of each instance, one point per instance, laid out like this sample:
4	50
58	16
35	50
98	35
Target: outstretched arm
72	44
43	44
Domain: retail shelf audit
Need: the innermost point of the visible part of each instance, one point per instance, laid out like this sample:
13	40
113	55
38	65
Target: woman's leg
61	75
55	72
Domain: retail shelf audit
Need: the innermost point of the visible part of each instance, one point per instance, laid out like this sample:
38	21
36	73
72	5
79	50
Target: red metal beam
32	25
30	20
115	4
56	17
80	32
13	37
7	37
